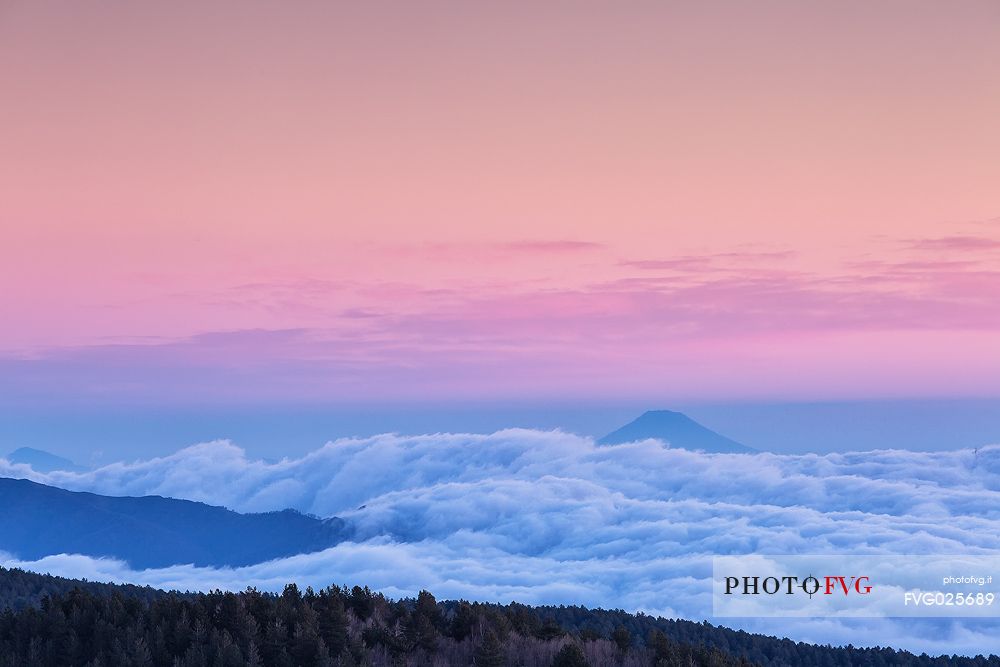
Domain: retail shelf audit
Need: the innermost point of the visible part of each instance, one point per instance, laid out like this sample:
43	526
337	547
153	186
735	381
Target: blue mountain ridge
151	531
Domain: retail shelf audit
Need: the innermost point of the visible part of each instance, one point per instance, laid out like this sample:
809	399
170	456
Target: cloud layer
549	517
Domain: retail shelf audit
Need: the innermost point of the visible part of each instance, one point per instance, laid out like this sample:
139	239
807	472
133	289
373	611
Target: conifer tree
570	655
489	653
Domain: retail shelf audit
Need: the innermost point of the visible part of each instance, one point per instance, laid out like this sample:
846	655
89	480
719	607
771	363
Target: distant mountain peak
42	461
676	429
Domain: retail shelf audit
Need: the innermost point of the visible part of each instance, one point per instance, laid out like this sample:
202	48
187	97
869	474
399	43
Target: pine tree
463	622
346	659
275	639
490	652
362	602
550	629
253	656
306	645
622	638
427	606
570	655
333	624
425	635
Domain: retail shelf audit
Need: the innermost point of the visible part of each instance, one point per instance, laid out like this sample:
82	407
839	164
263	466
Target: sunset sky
243	203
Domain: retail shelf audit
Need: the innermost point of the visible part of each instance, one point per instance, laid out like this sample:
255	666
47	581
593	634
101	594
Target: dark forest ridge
151	531
64	621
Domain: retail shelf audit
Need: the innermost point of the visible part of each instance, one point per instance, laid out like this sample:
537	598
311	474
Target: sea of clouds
551	517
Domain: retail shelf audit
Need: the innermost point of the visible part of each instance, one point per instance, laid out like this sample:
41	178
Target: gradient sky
250	203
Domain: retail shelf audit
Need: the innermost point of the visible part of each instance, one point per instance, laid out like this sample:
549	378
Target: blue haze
99	434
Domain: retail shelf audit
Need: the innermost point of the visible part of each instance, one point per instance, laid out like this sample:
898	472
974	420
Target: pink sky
344	201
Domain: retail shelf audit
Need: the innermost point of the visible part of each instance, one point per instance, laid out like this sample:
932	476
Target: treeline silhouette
20	589
50	621
758	649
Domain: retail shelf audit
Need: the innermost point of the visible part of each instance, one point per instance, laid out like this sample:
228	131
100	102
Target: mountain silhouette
674	428
41	460
151	531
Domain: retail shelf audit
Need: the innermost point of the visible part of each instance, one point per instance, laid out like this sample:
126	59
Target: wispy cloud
712	262
956	243
549	247
492	251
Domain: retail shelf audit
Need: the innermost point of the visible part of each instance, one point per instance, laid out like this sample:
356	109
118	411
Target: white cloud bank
549	517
